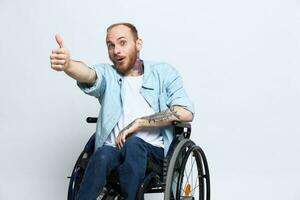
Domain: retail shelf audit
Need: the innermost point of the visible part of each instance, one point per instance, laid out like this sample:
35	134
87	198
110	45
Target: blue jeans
130	163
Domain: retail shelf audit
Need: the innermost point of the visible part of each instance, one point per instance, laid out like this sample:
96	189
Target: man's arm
175	113
164	118
81	72
61	61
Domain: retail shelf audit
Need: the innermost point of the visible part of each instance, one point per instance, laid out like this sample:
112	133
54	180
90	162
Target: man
139	101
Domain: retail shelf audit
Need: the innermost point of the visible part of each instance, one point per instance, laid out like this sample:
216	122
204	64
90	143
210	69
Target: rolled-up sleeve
97	89
176	94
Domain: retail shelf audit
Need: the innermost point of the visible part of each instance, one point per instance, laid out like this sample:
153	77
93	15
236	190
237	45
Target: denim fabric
162	88
130	163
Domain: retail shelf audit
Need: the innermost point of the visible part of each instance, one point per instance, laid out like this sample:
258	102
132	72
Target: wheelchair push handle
91	119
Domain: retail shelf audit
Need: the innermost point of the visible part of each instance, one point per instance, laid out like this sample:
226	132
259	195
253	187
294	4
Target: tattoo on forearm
162	116
127	127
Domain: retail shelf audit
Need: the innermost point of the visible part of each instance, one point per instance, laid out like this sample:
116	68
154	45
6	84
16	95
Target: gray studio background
239	60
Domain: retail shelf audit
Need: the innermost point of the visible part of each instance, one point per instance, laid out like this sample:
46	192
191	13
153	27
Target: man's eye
110	46
123	42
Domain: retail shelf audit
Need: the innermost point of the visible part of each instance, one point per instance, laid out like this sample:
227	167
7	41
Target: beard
124	64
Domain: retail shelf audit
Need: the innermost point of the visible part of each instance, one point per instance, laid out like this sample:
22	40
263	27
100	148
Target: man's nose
117	50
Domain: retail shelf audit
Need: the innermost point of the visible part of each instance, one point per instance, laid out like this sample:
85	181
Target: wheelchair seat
176	178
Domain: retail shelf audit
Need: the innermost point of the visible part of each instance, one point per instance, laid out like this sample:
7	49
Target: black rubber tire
75	179
178	164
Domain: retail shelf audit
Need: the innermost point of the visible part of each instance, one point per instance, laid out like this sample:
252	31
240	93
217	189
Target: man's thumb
59	41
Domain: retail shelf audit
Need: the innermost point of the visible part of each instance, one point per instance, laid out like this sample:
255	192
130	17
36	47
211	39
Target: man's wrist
141	123
68	64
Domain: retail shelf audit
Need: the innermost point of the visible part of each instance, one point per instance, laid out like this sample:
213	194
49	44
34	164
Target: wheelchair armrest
182	128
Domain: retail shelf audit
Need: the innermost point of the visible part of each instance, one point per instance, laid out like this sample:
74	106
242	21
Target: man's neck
137	69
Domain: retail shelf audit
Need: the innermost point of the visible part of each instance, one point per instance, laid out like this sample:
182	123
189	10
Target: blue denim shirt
162	88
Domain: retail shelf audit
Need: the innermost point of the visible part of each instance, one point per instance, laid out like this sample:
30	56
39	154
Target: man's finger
58	56
59	51
120	141
119	145
57	67
123	139
57	62
59	41
117	142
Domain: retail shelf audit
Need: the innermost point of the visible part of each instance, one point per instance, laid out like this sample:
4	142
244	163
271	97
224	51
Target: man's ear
139	44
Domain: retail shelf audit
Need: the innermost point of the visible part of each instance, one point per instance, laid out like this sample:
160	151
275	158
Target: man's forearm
164	118
81	72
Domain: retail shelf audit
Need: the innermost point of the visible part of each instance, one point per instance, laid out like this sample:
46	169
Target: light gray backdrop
239	60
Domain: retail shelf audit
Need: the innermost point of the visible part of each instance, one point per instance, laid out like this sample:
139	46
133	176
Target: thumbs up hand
60	58
59	41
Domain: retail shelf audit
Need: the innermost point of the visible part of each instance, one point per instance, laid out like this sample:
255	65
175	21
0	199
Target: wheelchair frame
167	178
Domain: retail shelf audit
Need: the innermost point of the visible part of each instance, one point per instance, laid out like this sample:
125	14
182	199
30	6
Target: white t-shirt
135	106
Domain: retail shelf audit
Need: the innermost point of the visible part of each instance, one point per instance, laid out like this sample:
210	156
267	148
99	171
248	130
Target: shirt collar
147	83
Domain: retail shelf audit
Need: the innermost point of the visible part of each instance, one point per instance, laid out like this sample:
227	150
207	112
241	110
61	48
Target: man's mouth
119	60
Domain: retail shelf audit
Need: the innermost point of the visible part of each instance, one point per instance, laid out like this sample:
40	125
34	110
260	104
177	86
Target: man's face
123	48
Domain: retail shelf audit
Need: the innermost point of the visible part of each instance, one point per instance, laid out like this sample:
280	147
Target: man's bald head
129	25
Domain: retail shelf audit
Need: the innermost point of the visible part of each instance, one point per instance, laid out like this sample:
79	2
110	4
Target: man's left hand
127	132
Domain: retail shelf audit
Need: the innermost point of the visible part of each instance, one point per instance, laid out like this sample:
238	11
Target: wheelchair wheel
188	175
79	168
76	178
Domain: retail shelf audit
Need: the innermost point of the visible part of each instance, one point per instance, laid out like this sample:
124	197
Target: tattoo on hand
161	116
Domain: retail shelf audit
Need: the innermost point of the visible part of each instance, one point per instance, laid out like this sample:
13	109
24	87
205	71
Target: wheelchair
183	176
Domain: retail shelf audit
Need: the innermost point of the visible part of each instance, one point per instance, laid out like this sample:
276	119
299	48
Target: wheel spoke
193	190
191	169
183	185
187	175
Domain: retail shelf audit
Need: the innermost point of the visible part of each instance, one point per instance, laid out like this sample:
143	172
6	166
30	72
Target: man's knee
99	157
133	142
102	156
134	146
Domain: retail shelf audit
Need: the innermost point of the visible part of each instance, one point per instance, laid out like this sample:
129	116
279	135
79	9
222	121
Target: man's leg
131	172
100	165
